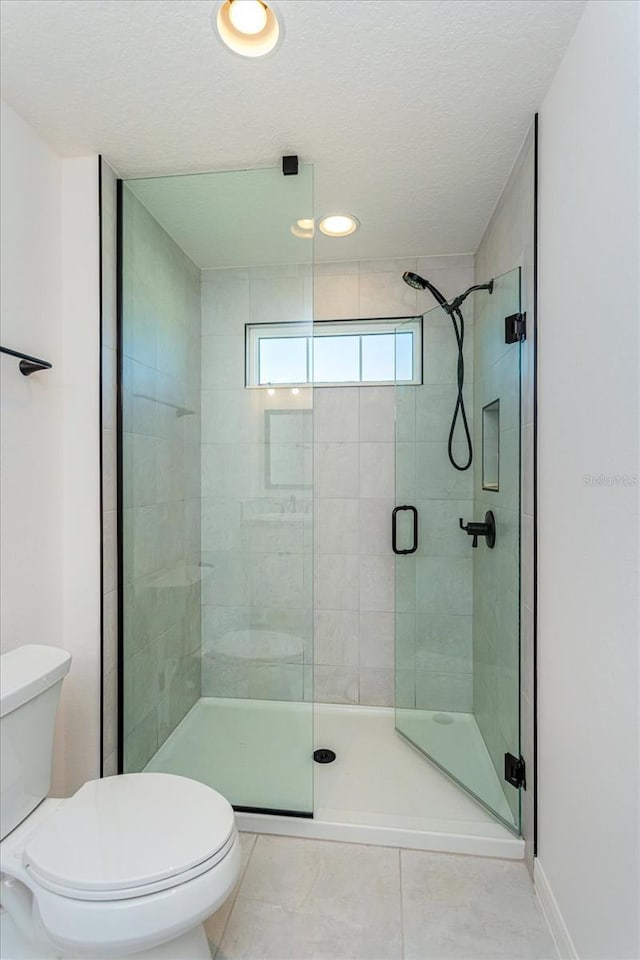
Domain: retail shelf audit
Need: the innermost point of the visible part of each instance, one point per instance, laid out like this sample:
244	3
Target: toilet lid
129	831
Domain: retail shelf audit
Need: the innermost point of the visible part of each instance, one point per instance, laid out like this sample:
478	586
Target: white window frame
254	332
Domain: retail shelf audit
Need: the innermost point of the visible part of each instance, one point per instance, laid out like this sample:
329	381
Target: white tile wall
353	473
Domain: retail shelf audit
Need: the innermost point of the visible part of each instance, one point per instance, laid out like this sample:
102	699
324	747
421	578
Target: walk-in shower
293	571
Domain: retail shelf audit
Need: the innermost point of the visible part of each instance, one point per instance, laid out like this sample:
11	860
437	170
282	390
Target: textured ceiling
412	111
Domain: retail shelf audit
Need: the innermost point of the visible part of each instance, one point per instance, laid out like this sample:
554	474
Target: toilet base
192	945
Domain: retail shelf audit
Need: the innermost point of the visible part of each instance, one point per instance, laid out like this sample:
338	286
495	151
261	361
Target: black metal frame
273	812
101	462
119	474
534	339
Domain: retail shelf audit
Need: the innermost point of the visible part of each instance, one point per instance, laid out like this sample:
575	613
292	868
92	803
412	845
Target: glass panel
336	359
378	357
216	480
457	608
283	360
404	356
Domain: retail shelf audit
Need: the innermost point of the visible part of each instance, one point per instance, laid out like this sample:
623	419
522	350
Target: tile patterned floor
316	900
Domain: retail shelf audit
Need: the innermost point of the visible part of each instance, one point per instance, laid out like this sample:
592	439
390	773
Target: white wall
49	426
588	531
81	490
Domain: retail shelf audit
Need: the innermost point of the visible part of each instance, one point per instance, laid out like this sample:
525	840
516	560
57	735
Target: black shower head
419	283
414	281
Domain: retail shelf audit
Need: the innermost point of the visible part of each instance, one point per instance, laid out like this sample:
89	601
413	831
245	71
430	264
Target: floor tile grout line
402	945
236	892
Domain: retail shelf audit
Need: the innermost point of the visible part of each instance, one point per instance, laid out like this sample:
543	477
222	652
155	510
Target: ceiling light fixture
303	228
248	27
339	225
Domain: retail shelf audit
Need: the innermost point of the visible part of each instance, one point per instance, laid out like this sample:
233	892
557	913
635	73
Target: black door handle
394	530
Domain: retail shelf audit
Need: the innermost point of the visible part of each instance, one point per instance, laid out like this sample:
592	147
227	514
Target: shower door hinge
515	328
514	771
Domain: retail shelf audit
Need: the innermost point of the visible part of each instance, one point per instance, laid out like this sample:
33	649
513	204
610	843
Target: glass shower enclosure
457	605
216	565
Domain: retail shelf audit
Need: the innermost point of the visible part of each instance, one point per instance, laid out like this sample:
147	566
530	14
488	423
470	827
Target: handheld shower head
413	280
419	283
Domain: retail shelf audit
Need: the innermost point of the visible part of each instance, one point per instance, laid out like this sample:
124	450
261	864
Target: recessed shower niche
491	446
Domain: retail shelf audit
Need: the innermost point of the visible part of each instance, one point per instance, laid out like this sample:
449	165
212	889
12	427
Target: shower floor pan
380	790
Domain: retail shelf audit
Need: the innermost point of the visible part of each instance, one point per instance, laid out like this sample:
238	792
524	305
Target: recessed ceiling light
303	228
248	27
339	225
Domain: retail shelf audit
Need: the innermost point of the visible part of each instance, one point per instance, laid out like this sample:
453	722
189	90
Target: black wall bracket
515	328
514	771
290	166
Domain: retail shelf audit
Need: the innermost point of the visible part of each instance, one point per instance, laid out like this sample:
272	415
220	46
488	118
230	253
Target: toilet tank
30	681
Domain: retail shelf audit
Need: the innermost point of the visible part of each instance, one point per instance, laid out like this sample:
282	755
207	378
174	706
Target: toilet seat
129	836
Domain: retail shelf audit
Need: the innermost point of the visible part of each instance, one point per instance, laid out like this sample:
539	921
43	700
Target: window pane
336	359
283	359
377	356
404	356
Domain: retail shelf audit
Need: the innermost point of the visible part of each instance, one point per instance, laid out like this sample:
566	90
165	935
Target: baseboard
553	916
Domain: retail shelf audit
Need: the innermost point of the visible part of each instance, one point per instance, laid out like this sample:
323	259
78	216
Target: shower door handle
394	530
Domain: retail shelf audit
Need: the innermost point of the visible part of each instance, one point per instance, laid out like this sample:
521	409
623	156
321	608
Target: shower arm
458	301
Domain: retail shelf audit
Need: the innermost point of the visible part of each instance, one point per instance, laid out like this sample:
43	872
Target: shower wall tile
436	479
377	410
110	633
336	637
161	466
444	585
336	297
336	414
337	582
279	300
440	535
375	527
377	640
337	526
376	686
384	294
376	470
433	407
376	584
353	473
452	693
222	362
337	470
444	643
336	684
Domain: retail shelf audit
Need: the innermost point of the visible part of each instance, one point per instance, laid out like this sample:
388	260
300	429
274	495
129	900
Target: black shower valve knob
481	528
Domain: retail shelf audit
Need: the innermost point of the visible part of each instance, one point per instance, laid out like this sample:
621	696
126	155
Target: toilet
129	866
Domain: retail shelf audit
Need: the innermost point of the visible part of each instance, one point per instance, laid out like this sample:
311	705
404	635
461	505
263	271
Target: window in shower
340	353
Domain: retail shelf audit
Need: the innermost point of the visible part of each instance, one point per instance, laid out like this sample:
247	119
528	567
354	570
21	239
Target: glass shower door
457	643
216	476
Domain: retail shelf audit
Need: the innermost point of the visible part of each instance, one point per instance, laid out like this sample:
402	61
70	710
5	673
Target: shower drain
324	756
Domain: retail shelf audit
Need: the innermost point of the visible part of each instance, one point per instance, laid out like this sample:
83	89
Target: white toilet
130	866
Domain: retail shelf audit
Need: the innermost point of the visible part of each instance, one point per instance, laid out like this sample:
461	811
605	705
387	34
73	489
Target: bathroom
243	497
